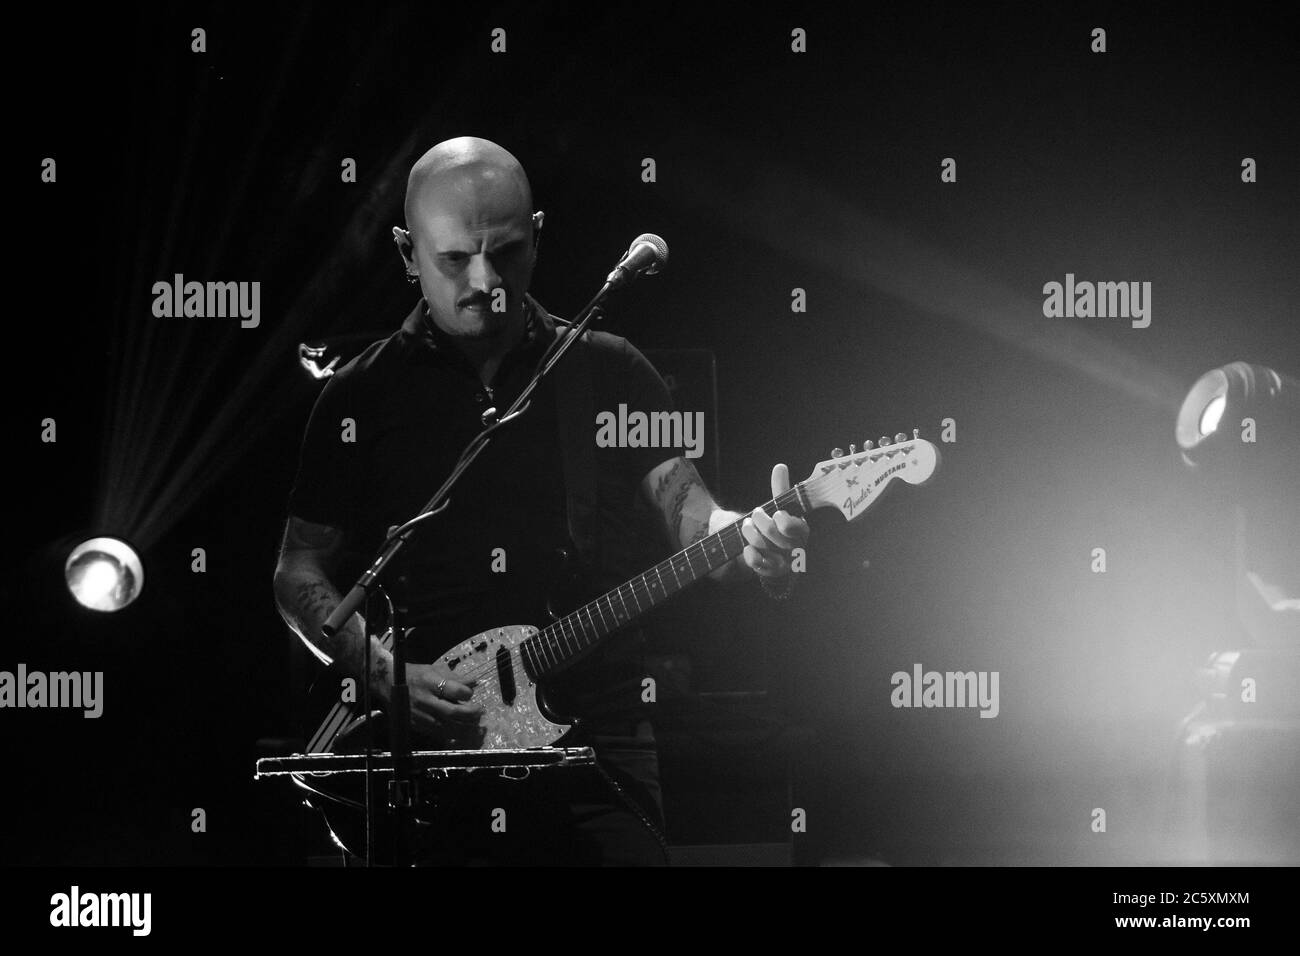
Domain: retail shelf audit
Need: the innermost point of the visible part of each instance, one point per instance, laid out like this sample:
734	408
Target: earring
413	278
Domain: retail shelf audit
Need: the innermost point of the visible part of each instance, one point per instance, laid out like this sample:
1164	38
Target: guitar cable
636	809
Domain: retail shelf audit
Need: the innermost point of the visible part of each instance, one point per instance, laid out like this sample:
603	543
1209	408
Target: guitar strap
575	400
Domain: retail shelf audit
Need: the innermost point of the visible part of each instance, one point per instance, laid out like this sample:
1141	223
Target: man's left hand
771	538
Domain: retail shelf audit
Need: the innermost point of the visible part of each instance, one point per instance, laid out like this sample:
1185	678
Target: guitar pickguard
514	714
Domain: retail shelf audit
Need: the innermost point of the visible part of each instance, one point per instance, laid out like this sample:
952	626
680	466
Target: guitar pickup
506	675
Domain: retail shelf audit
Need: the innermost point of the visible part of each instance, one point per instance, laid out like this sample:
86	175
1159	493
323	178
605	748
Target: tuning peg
884	440
853	449
837	452
916	433
868	445
900	437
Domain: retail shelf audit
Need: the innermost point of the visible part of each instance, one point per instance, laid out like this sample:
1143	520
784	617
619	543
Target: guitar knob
853	449
868	445
900	437
884	440
837	452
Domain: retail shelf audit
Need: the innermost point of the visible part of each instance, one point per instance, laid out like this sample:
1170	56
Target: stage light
309	357
1240	427
1230	395
104	574
1213	412
339	349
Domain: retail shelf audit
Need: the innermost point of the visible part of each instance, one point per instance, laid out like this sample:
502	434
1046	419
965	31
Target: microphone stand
401	793
368	776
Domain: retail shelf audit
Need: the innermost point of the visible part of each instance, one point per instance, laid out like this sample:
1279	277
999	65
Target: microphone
647	254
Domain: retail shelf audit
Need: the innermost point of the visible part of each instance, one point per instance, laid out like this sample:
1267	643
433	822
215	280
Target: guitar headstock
853	482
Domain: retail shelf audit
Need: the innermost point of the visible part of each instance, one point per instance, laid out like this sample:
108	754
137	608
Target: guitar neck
573	635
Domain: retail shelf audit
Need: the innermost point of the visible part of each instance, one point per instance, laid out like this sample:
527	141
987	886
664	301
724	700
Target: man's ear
402	239
539	217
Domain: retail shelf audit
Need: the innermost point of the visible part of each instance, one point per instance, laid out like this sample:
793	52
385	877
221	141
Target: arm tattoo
315	602
306	596
315	597
672	493
679	502
666	480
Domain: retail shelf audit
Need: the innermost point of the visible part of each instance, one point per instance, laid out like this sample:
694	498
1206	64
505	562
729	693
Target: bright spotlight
321	359
104	574
1229	395
309	357
1213	412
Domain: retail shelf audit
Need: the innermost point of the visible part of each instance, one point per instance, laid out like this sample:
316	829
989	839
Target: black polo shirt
414	402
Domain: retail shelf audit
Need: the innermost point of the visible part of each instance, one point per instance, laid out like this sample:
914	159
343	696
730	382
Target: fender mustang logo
850	504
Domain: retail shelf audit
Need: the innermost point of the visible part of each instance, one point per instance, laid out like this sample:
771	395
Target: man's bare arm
689	512
306	596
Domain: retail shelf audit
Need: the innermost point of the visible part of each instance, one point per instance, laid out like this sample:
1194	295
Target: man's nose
482	276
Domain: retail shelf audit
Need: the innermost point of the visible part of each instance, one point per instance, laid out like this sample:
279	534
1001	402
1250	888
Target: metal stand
329	779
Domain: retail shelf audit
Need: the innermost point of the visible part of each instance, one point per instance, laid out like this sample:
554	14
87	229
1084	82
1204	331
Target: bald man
416	399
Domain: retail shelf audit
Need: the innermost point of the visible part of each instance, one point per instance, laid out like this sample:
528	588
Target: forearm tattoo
673	494
314	600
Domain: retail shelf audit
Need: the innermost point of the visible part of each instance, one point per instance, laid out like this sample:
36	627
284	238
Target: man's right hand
438	699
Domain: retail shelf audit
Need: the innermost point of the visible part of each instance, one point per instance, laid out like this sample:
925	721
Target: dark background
775	171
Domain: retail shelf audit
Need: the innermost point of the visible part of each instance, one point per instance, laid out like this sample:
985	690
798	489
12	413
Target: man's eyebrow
469	249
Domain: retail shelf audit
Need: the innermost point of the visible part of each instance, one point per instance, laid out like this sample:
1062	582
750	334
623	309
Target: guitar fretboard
573	635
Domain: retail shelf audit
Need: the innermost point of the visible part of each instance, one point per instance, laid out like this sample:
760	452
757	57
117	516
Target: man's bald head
471	239
467	175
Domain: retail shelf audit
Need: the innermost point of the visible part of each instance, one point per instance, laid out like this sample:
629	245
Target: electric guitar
510	664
